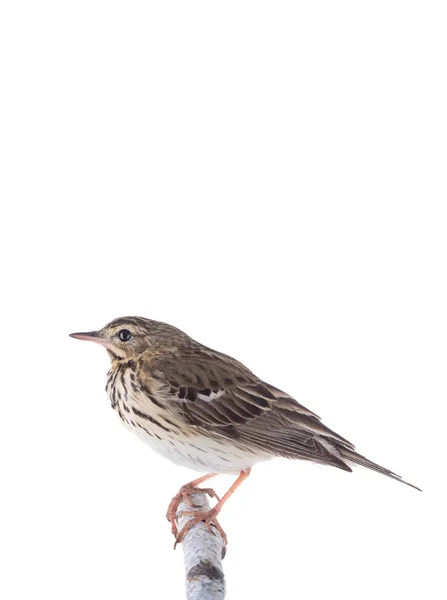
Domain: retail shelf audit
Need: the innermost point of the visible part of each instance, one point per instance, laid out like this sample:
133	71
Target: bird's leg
184	493
209	517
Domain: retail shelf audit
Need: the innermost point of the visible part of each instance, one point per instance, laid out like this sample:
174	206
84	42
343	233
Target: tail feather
358	459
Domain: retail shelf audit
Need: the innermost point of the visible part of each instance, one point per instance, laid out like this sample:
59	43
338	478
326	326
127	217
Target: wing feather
218	394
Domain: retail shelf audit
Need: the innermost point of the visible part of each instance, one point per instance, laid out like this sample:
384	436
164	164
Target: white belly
201	453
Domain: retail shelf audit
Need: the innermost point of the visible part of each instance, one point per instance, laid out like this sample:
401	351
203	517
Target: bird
205	410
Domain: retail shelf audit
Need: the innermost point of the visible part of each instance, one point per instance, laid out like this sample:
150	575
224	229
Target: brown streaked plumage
205	410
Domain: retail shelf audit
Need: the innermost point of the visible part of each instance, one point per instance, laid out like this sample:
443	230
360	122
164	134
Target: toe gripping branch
209	517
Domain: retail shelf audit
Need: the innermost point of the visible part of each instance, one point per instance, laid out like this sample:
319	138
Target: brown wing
216	393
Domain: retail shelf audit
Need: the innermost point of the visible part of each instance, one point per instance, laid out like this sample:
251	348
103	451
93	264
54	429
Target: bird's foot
208	517
184	494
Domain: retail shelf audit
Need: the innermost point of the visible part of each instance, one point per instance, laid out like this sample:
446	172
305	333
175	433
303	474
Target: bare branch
203	550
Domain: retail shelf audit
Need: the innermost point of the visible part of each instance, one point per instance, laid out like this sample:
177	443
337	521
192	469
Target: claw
184	494
187	493
208	517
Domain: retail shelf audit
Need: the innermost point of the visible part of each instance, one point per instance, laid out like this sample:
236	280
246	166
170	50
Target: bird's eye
124	335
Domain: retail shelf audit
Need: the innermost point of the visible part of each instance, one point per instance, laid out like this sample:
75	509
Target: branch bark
203	551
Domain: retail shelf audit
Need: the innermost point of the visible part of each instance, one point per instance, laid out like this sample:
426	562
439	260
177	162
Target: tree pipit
205	410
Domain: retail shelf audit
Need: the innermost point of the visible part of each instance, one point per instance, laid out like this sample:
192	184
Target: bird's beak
90	336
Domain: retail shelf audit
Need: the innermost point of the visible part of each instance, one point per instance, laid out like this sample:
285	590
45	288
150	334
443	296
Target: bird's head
129	337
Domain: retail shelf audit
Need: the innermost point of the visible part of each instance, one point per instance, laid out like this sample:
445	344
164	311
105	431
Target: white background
269	177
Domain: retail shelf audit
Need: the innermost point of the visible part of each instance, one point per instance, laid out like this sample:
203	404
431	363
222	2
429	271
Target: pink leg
184	494
210	516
